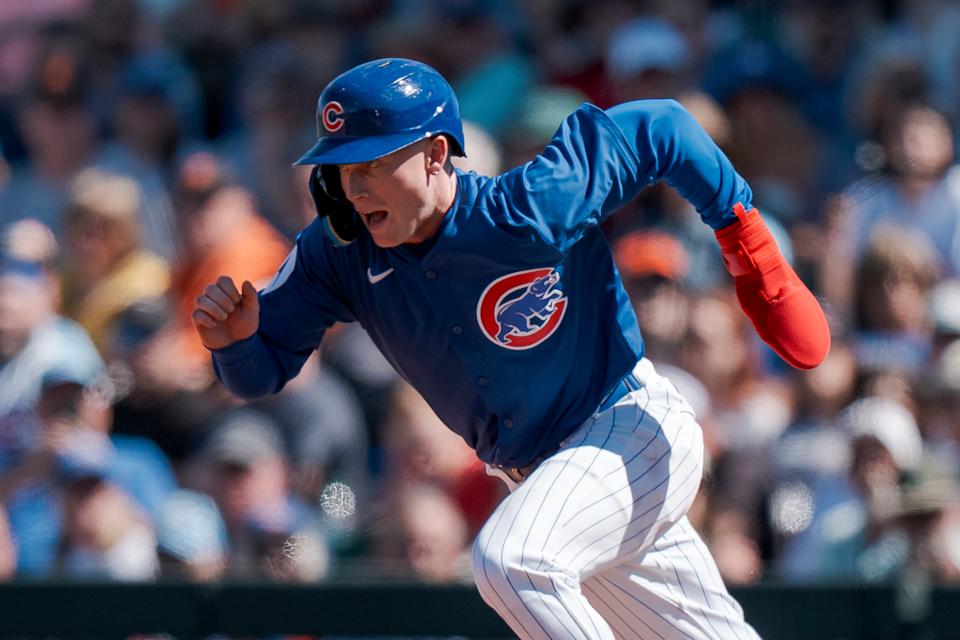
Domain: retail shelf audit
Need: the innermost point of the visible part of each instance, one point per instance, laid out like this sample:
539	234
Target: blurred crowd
147	147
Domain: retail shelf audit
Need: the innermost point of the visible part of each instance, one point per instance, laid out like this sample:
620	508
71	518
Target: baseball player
498	299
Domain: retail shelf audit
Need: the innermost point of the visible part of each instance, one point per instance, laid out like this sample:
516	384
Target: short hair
107	197
897	250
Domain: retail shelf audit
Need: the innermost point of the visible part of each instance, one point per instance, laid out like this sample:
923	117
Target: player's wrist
232	350
747	246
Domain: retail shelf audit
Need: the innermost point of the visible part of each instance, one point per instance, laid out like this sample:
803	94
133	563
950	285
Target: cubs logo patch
331	116
520	310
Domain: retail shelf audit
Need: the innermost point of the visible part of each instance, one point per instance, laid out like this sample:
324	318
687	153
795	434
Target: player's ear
438	152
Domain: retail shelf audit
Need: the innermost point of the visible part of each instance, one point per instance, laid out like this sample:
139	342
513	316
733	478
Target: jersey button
507	422
457	329
482	381
431	274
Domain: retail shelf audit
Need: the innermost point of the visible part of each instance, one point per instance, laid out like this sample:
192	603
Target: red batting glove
783	311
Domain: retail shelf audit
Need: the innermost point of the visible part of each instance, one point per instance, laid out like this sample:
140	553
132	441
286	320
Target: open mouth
375	219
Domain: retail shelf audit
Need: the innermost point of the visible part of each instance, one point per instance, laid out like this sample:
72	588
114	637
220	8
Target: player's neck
448	192
445	199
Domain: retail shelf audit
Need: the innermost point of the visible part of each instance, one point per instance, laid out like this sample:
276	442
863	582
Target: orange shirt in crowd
253	251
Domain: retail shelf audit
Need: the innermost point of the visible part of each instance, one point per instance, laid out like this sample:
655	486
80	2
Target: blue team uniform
511	321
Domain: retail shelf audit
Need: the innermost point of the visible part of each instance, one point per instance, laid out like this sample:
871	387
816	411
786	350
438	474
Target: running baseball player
497	298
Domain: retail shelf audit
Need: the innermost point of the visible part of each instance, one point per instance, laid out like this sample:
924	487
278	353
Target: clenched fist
224	315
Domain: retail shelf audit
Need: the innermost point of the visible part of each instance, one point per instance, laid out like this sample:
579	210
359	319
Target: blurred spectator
212	37
277	105
943	310
74	421
826	38
892	282
420	449
191	538
8	548
222	234
34	341
30	240
749	412
697	22
348	350
151	401
773	145
488	72
812	451
718	348
647	58
432	534
323	430
436	494
60	136
484	157
271	534
153	118
846	526
938	404
652	265
918	191
574	41
888	79
104	534
21	24
814	445
927	510
106	269
539	115
732	539
113	32
934	25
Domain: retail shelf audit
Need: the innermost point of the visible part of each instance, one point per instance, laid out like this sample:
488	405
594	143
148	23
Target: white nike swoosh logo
374	279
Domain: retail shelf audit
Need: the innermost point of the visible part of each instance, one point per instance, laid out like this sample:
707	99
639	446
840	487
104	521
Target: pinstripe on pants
596	543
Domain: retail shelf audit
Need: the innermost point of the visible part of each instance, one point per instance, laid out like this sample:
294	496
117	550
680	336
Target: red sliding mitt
783	311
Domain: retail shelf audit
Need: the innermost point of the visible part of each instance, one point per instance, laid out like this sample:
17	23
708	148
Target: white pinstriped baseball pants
596	544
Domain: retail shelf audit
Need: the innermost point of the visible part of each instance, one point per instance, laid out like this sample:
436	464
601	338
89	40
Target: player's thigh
646	475
625	476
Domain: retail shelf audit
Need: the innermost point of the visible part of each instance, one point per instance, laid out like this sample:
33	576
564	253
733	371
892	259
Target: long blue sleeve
672	146
296	308
248	369
598	161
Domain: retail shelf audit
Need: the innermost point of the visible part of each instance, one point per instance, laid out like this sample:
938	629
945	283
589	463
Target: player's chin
384	239
384	243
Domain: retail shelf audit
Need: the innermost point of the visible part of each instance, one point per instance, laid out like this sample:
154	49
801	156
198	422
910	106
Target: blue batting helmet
379	107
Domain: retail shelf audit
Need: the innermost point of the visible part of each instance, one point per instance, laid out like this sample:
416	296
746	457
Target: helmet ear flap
330	178
340	222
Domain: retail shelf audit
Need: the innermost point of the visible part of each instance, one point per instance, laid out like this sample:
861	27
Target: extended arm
673	147
600	160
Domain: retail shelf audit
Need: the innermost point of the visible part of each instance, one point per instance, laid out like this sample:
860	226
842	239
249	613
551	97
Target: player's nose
353	183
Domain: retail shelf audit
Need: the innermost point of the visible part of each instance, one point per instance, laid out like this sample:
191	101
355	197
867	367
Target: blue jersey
511	321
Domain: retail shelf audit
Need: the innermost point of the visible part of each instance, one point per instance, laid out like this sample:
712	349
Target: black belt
625	385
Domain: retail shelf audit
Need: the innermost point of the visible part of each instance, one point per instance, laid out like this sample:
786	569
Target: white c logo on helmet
331	116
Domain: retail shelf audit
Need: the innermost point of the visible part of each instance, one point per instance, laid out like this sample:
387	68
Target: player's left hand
224	315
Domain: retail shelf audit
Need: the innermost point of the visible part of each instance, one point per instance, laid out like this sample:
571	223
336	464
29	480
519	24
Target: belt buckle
514	474
519	474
